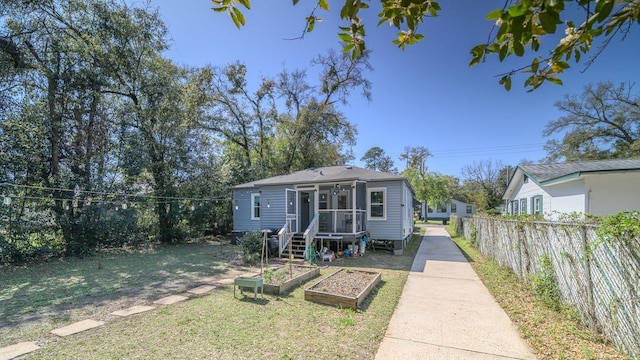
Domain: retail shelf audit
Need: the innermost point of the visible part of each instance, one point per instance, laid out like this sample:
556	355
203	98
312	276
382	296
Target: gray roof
328	174
549	172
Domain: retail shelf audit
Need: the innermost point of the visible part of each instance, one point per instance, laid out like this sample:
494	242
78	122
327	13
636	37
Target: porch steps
297	247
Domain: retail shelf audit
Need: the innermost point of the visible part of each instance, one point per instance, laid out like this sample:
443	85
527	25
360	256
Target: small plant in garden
267	275
545	284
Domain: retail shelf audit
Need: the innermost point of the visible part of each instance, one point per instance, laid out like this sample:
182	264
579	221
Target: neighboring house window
430	209
255	206
469	209
526	179
536	205
454	207
516	210
377	199
523	206
442	209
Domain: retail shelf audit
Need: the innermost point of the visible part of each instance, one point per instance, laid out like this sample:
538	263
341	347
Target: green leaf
345	37
506	81
311	23
603	9
518	48
246	4
239	17
517	10
220	9
503	52
494	14
535	65
324	5
548	22
555	80
295	2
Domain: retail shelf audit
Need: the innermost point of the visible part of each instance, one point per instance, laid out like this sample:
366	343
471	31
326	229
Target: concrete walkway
446	312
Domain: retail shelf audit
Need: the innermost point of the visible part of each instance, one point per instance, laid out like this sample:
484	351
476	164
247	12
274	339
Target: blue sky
424	96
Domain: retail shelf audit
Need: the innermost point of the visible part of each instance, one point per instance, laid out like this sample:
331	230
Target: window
323	204
454	207
469	209
255	206
536	205
442	209
342	201
430	209
523	206
377	198
515	208
526	179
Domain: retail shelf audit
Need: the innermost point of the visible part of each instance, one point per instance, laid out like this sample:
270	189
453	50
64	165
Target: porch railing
284	237
341	221
309	234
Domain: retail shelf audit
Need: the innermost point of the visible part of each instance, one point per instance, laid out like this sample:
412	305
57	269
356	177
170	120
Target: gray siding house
334	206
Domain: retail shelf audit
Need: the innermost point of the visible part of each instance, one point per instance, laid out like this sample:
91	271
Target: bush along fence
592	266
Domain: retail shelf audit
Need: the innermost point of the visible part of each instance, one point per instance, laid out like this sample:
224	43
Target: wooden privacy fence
601	280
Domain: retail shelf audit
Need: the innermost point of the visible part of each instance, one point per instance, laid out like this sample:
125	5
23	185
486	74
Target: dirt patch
346	283
280	274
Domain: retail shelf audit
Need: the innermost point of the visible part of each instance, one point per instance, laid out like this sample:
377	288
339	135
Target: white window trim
253	202
385	205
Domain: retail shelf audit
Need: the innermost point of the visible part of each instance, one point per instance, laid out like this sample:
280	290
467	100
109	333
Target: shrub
545	284
251	244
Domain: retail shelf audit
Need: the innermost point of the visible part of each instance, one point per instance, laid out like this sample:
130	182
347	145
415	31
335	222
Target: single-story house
443	213
334	205
602	187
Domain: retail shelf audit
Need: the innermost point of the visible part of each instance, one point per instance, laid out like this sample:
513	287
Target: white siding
567	197
610	194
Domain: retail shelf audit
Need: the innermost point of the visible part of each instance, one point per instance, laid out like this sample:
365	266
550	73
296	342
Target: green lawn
36	299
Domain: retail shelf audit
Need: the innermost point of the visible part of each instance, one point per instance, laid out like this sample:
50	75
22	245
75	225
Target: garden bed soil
276	284
345	288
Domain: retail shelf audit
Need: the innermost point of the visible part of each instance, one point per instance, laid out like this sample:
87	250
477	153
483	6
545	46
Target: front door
306	208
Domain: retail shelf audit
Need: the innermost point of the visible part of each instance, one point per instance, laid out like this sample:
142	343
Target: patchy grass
39	297
36	299
552	334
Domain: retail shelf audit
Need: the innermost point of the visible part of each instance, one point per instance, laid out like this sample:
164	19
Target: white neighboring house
602	187
456	207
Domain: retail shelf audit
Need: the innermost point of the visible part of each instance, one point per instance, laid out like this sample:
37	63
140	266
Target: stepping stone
201	289
77	327
226	282
133	310
19	349
170	300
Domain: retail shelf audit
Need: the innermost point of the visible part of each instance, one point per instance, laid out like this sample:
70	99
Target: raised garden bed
346	288
281	281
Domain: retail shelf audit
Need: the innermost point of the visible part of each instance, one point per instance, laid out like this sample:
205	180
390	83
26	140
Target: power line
77	193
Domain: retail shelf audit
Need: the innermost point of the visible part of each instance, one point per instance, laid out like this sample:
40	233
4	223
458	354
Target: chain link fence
601	280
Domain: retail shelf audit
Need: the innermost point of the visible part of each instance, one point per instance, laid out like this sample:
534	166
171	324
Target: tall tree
603	122
416	157
520	25
314	132
376	159
486	180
